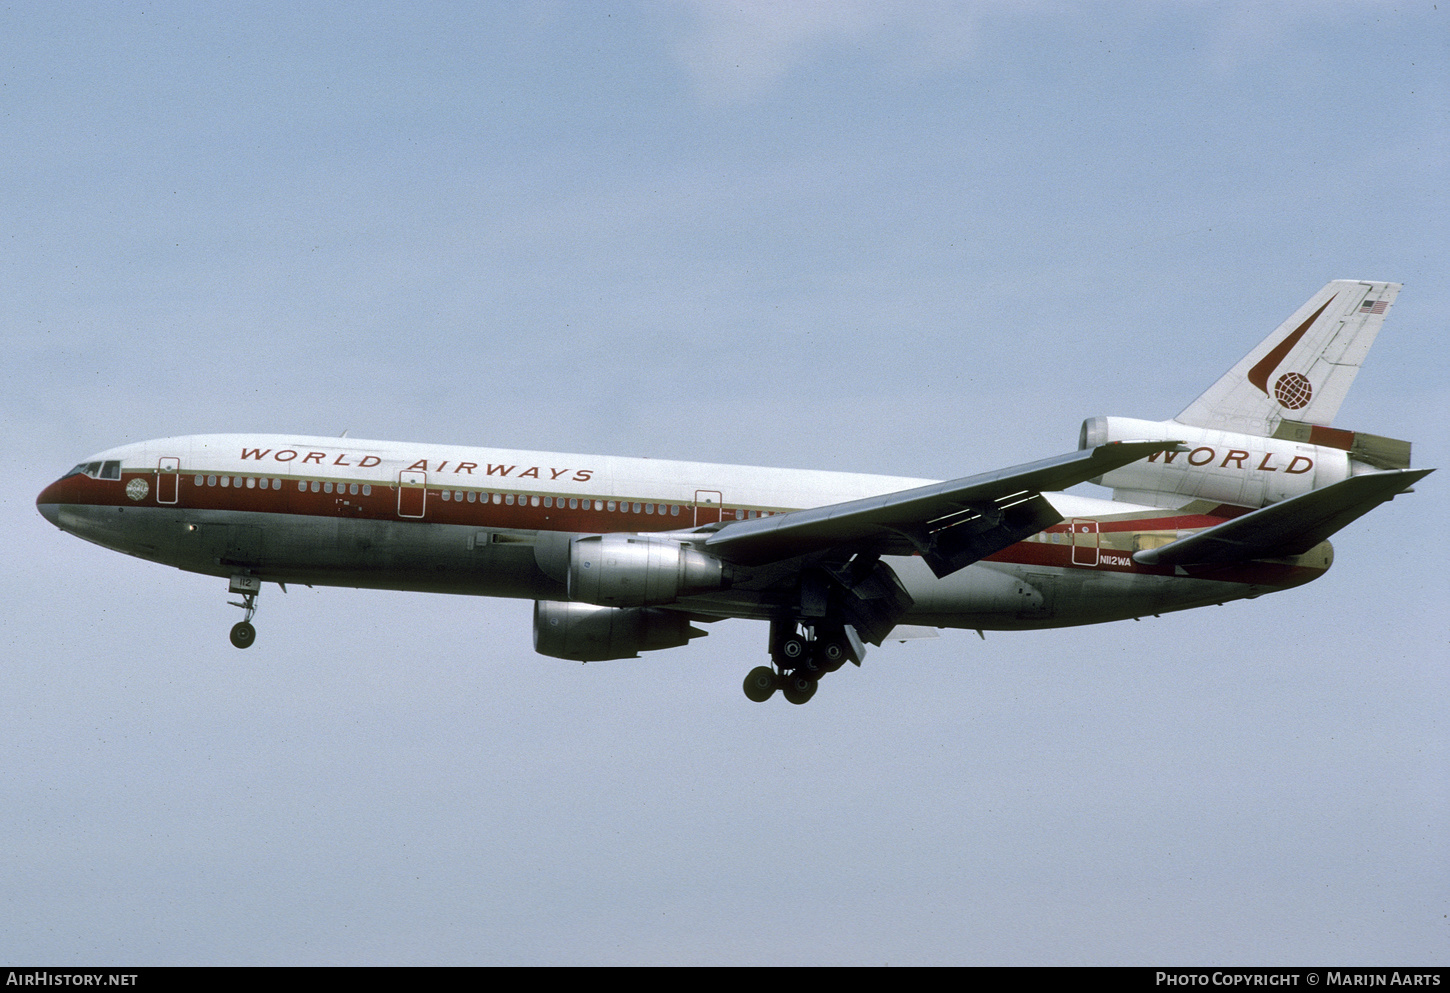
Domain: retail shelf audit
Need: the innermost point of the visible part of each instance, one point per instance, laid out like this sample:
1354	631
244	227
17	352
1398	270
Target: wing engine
583	632
634	570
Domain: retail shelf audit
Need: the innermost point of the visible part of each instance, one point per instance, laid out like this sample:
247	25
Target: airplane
1233	498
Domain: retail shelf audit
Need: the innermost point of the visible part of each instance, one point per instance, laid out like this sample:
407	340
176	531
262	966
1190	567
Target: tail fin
1303	370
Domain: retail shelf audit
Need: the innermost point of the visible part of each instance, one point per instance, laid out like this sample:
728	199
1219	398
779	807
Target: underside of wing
1290	527
951	524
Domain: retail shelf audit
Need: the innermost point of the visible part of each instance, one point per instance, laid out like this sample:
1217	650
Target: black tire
799	689
794	648
760	684
834	654
243	634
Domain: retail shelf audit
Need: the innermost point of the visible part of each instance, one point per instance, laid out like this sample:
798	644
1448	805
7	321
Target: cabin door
707	507
412	493
1084	542
167	476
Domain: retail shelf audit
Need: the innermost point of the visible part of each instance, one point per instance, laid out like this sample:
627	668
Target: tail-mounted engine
582	632
1240	469
629	570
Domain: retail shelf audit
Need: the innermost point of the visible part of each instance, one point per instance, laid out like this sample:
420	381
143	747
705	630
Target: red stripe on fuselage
382	504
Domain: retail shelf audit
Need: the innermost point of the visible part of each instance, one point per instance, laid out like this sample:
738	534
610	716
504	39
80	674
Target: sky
923	239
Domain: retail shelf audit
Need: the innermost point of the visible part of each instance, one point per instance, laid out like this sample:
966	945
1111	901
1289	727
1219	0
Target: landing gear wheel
798	689
248	585
833	654
243	634
760	684
793	648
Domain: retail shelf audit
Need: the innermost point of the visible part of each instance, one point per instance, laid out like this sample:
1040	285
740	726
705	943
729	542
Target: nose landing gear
243	633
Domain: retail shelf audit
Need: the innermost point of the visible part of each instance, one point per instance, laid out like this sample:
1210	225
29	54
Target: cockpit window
96	470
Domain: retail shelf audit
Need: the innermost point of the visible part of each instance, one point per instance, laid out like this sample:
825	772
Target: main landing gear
243	633
802	655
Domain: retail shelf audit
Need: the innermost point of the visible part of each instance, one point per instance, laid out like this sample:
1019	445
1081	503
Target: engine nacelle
1221	466
631	570
583	632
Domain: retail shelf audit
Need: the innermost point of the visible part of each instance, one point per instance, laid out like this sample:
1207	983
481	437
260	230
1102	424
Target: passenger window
301	486
316	486
367	489
509	499
533	501
447	494
198	481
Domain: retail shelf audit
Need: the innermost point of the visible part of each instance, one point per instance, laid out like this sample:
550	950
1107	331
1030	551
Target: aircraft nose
49	505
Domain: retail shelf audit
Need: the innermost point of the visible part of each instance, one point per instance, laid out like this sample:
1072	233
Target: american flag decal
1372	307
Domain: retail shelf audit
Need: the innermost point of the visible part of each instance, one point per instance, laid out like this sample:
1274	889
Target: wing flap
951	524
1290	527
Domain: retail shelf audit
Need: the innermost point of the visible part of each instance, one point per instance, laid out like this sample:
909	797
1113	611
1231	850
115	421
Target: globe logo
136	488
1293	390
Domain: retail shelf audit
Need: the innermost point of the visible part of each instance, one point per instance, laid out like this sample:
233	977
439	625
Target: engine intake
627	570
582	632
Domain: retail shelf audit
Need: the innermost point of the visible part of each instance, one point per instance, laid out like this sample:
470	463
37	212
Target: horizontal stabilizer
1290	527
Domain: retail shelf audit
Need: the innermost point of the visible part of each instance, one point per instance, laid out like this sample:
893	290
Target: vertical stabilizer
1303	370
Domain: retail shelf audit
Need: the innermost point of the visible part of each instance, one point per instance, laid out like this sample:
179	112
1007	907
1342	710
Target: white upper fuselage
737	489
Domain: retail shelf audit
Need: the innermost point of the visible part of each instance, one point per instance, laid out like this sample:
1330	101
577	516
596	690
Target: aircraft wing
951	524
1289	527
